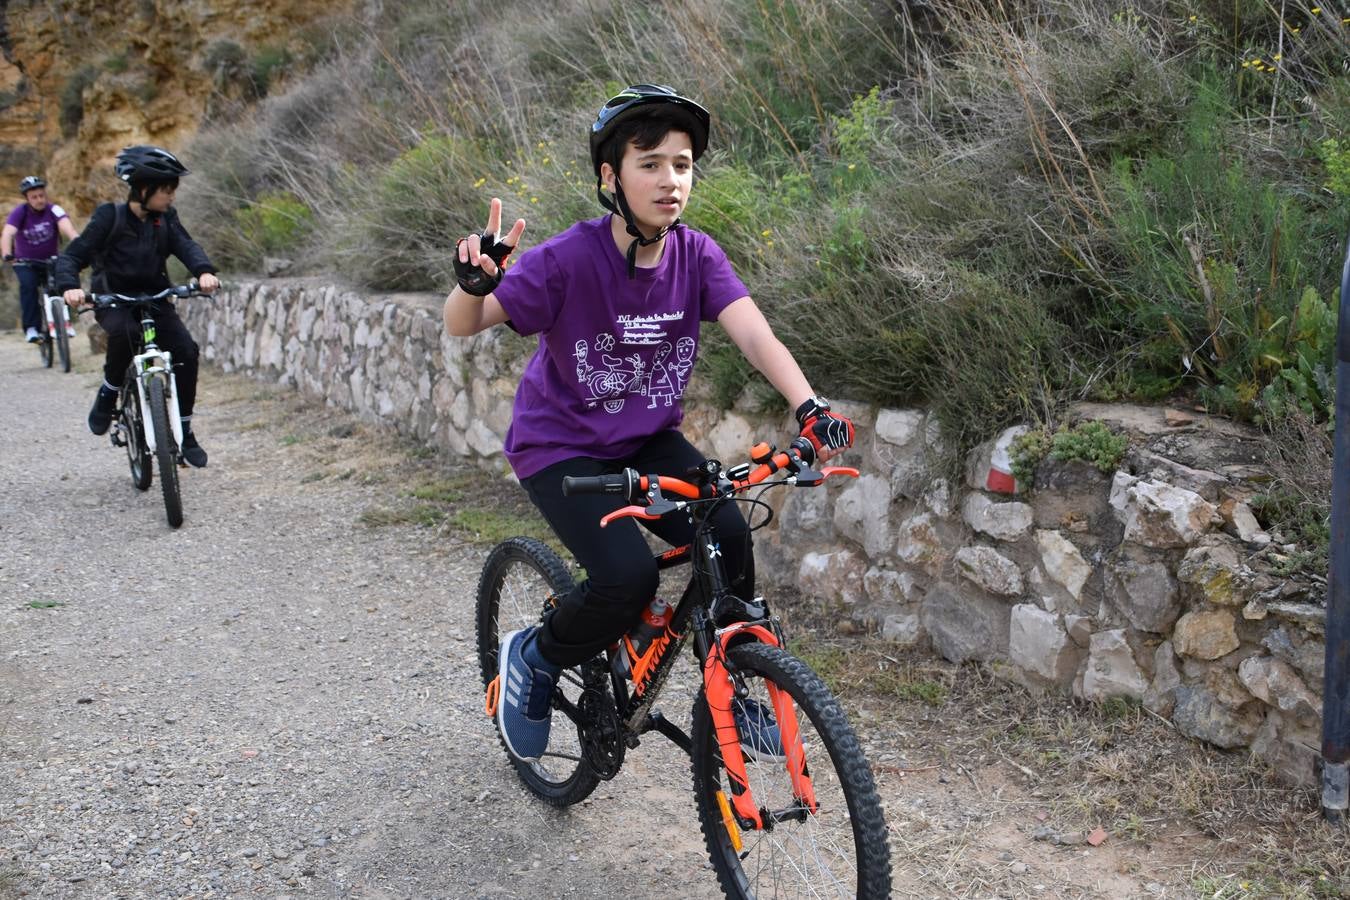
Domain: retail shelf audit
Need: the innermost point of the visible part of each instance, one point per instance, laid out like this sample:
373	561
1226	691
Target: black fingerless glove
472	279
824	429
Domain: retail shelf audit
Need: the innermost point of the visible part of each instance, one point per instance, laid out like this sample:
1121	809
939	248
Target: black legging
622	575
124	333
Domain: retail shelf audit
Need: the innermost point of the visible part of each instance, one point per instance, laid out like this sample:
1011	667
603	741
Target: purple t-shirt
37	237
614	353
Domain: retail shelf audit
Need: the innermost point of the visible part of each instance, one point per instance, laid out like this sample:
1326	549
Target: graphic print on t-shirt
637	362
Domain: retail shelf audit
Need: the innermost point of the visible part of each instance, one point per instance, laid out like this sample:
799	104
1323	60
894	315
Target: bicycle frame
707	593
152	361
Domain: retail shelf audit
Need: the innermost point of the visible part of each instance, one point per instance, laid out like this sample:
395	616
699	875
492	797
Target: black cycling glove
472	279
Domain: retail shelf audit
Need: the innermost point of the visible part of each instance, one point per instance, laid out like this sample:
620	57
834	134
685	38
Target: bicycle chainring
599	728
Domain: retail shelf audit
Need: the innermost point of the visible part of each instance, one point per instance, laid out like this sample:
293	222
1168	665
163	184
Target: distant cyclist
127	244
32	231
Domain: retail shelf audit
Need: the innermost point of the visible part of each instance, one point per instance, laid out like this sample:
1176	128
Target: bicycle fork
719	686
154	362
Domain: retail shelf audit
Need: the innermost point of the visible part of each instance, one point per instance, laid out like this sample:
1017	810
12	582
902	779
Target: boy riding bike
128	245
624	292
32	232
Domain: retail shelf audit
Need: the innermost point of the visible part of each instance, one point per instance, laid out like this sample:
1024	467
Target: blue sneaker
760	739
525	693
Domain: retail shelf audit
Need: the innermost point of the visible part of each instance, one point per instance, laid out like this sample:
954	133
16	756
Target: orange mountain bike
798	818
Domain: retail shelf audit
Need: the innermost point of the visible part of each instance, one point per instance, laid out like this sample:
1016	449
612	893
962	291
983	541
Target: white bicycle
147	422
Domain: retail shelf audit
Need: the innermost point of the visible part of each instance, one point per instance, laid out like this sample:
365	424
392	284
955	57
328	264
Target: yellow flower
1316	10
1191	19
1246	65
1294	30
768	243
852	166
1277	57
480	182
534	199
568	173
544	161
540	145
766	232
511	180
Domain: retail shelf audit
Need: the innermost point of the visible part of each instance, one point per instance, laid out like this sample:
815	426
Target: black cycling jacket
134	258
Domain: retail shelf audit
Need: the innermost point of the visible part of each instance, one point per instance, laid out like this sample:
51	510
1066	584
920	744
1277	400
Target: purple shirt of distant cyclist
36	233
615	352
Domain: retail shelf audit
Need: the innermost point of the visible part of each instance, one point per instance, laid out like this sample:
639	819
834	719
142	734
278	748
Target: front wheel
133	431
520	580
840	849
166	452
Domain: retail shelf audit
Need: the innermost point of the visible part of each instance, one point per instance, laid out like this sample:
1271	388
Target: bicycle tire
133	421
841	849
63	339
166	452
519	576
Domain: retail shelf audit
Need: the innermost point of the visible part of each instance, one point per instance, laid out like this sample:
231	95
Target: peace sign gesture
481	257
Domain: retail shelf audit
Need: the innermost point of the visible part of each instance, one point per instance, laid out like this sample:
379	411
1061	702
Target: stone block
1007	521
1276	683
1037	643
1206	634
1212	573
861	513
836	578
1111	669
1063	563
1160	515
1141	587
1198	714
964	627
890	587
989	570
921	545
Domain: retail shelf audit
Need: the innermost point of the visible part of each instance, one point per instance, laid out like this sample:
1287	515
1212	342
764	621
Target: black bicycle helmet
636	98
148	164
633	101
31	182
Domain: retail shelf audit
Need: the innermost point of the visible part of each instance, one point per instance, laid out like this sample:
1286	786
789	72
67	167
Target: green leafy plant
275	221
1335	156
1090	442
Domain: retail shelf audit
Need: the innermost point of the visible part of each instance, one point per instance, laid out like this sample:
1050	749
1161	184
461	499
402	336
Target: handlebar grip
621	484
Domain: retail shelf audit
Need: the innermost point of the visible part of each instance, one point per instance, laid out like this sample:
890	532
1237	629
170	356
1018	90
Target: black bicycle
147	421
54	340
796	817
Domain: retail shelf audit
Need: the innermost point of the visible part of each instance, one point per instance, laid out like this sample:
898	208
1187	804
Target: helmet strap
619	205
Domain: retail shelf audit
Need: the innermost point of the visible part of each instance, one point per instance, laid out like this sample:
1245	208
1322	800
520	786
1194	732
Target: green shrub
1090	442
1335	156
275	222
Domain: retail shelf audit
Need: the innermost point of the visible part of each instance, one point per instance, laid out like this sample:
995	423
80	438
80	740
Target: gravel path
277	700
272	700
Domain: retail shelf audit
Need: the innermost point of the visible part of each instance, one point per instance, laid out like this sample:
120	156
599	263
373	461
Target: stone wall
1152	583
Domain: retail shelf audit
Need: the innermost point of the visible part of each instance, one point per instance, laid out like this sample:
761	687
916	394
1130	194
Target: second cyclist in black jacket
128	245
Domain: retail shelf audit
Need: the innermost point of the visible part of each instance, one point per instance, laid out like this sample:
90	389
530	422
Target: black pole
1336	694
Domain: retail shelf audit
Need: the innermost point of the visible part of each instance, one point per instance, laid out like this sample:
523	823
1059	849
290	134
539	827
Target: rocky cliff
81	79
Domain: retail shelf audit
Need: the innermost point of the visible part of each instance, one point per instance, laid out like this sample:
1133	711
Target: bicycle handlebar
111	301
796	461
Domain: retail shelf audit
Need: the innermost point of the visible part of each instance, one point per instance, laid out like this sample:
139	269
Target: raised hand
480	258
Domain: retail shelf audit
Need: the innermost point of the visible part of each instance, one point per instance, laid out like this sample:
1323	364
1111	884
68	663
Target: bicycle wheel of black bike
519	577
62	339
133	430
166	452
840	850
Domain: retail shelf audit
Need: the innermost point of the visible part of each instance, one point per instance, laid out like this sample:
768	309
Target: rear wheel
166	451
133	430
520	579
62	339
840	849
